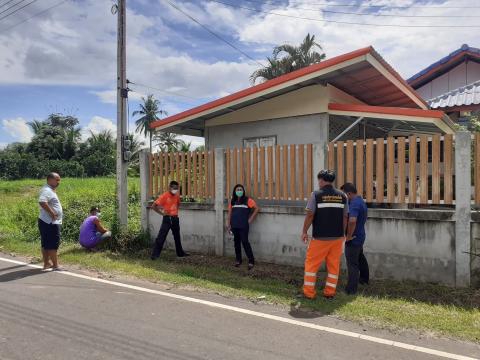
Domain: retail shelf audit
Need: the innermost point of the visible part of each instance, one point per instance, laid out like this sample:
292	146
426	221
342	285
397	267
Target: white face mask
99	214
174	191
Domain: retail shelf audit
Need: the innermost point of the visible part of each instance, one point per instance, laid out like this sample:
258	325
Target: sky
64	60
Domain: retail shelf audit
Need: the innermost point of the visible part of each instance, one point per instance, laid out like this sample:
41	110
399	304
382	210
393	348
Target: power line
395	7
213	33
6	3
12	6
35	15
163	91
344	22
17	10
365	14
156	91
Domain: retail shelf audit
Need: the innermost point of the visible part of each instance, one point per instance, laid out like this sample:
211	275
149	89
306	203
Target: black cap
326	175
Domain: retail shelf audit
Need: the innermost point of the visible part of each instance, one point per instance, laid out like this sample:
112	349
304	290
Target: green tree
287	58
168	141
97	154
55	138
149	112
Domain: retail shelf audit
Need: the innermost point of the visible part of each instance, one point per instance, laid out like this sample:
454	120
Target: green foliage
56	147
149	112
287	58
19	211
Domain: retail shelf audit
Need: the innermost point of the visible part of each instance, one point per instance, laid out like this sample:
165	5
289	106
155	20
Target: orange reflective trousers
317	252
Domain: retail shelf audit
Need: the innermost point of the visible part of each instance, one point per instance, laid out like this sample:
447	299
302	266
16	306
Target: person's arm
99	226
311	208
346	211
158	209
158	206
229	218
306	225
49	210
352	224
255	208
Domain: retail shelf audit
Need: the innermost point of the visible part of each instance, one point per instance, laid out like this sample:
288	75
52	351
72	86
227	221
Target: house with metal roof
352	96
451	84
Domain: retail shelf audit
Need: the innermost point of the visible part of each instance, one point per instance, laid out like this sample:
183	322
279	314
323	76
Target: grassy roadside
427	308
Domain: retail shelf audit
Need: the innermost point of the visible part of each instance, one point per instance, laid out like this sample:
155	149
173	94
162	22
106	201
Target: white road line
262	315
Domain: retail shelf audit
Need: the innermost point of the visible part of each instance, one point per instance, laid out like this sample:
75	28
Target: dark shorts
50	235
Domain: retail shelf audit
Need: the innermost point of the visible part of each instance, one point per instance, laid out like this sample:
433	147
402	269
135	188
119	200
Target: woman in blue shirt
242	210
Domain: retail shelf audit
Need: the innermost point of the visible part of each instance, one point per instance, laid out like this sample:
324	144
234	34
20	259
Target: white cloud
97	125
18	129
110	96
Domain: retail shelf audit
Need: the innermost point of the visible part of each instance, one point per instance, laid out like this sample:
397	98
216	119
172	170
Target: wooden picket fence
414	170
282	173
418	169
194	171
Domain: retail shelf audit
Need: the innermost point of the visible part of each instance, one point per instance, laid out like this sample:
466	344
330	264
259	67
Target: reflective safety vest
329	213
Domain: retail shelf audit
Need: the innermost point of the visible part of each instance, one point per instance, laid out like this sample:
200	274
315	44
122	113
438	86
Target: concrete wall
291	130
401	244
475	249
463	74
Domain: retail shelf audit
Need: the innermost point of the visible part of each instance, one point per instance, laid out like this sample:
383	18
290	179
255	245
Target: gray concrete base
401	244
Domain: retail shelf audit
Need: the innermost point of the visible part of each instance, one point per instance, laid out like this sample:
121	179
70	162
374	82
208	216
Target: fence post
145	179
219	200
463	195
320	156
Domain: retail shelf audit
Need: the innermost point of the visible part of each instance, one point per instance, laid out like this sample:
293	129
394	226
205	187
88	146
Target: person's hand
349	238
250	220
54	215
305	237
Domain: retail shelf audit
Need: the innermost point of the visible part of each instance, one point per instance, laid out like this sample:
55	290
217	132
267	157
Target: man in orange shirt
167	205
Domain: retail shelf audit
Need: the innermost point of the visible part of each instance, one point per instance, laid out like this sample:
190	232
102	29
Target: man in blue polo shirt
357	264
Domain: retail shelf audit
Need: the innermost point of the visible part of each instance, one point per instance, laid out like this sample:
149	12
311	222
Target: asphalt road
47	315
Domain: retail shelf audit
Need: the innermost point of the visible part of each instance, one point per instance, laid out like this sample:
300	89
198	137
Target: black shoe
153	258
237	264
363	282
250	266
183	255
329	297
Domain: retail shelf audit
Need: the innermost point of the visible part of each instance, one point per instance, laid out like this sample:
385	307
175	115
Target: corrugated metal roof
465	95
464	49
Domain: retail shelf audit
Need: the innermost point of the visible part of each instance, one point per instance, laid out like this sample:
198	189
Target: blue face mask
239	193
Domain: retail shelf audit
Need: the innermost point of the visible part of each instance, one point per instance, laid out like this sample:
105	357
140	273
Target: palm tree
167	141
36	126
287	58
185	147
149	111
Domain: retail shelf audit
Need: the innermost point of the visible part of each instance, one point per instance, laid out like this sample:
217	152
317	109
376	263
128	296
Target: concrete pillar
144	185
219	201
463	195
319	160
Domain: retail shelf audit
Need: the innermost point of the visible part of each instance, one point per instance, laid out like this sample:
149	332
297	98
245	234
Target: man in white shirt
50	221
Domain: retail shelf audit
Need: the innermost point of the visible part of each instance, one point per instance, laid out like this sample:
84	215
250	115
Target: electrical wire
17	10
35	15
364	14
158	92
213	33
12	6
161	90
6	3
394	6
345	22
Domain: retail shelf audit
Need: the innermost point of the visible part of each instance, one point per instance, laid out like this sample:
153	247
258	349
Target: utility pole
123	143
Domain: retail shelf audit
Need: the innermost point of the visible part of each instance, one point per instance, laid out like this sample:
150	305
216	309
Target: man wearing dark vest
327	211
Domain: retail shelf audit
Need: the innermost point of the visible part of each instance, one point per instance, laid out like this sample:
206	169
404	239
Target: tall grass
19	211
